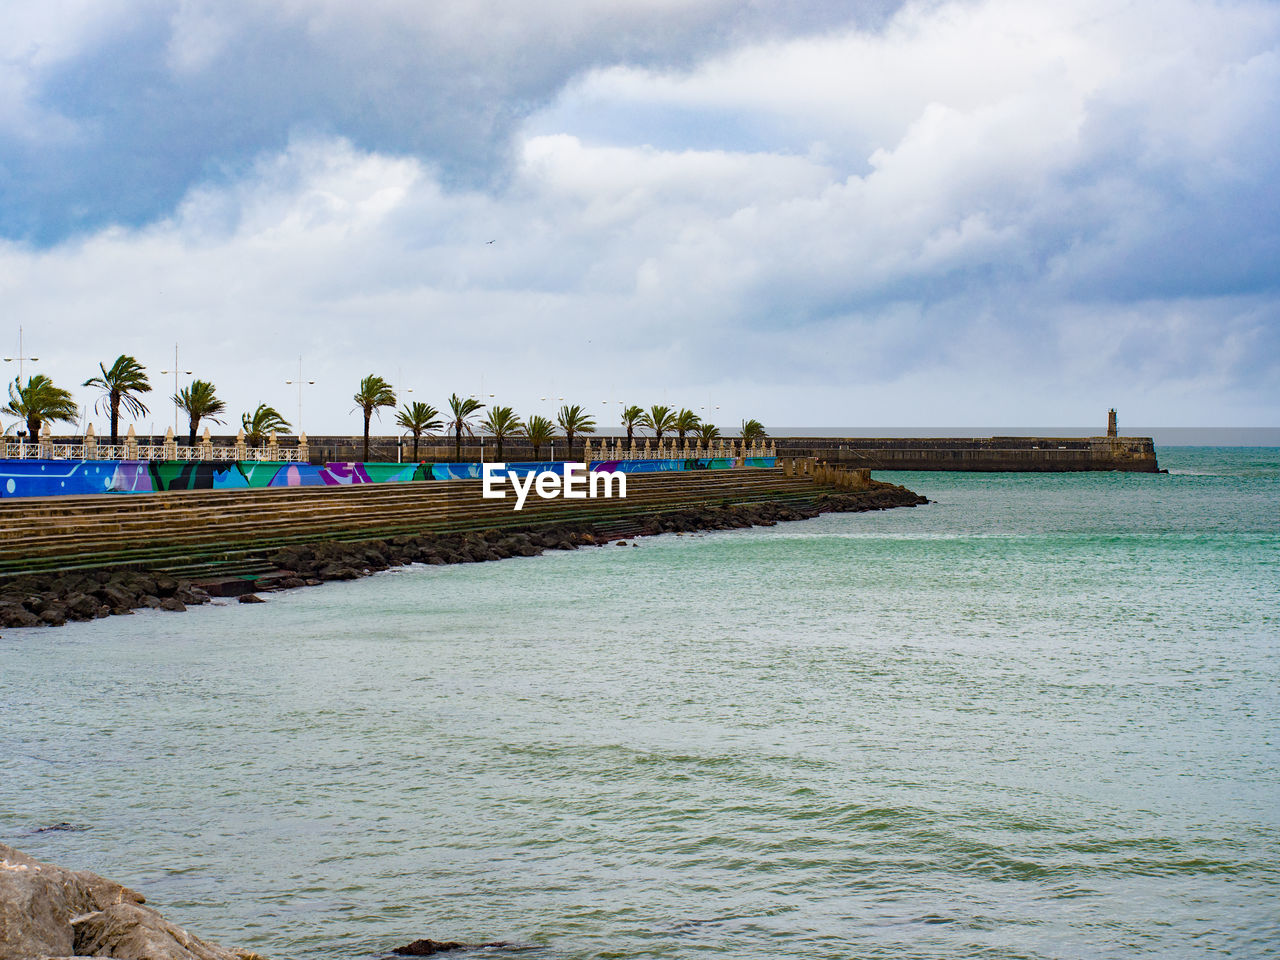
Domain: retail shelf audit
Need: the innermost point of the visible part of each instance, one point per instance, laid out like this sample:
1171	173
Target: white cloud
1014	212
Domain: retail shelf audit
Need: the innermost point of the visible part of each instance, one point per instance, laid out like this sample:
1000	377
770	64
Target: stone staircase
204	532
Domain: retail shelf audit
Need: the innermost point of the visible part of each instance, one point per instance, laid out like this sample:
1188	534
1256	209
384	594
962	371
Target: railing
149	451
674	450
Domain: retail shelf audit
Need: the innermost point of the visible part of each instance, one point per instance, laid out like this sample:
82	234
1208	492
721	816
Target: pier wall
990	454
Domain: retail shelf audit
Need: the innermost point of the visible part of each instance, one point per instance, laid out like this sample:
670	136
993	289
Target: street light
20	357
175	371
301	383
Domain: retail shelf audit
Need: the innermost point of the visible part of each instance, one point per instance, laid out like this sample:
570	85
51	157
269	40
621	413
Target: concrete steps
212	530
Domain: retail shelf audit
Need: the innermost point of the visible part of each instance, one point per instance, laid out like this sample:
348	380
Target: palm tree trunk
499	438
415	445
366	437
191	438
457	444
115	419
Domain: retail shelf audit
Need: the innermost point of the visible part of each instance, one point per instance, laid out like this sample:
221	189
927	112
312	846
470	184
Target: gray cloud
936	220
156	97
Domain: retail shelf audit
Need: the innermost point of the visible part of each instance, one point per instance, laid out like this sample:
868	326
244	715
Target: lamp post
20	358
175	371
301	383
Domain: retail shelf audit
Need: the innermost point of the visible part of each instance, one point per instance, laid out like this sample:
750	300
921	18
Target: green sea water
1034	719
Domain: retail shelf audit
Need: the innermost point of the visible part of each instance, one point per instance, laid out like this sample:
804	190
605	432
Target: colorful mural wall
49	478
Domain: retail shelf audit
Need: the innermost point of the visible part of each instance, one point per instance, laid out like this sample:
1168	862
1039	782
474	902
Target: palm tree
200	402
707	432
631	417
574	420
659	420
752	431
686	422
374	392
40	402
502	422
119	387
463	411
261	422
539	430
417	418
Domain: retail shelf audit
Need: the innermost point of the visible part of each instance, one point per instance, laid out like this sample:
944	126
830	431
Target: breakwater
79	558
989	454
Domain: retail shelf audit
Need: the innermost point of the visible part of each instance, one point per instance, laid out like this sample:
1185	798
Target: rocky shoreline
54	599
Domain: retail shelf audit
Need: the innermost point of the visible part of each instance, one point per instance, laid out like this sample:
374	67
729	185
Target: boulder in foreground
49	911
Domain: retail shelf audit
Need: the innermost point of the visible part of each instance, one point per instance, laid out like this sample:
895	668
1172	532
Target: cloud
115	118
968	212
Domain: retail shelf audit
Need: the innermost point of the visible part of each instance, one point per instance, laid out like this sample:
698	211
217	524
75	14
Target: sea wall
991	454
48	478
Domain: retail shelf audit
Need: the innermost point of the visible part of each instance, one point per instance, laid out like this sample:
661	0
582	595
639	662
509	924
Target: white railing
674	450
148	451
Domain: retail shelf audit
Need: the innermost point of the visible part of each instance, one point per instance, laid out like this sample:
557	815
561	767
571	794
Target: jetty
985	454
202	533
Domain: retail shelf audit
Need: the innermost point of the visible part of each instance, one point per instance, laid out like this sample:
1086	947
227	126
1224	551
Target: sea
1036	718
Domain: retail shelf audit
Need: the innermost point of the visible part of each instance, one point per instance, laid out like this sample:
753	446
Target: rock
81	606
251	598
15	615
130	931
165	586
426	948
49	911
192	595
53	615
336	571
173	605
116	596
38	901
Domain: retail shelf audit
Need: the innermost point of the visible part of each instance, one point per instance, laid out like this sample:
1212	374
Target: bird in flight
490	241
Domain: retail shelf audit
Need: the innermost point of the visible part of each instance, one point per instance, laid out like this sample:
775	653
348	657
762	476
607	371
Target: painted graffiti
50	478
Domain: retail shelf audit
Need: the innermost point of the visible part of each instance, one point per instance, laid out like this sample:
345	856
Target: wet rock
53	615
173	605
251	598
427	948
336	571
16	615
81	606
191	595
115	595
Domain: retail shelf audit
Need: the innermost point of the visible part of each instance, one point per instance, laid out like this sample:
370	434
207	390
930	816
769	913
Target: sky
810	213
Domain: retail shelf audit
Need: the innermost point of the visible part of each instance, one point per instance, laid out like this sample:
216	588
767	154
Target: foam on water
1035	719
